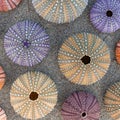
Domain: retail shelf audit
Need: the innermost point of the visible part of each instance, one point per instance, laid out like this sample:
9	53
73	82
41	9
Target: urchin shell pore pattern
117	52
6	5
81	106
2	114
26	43
112	101
33	95
60	11
105	15
84	58
2	77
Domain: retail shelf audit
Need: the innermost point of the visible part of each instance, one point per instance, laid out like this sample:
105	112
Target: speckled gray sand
57	33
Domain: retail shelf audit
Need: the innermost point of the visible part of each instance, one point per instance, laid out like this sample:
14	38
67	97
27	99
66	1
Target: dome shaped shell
117	52
84	58
60	11
6	5
112	101
2	114
26	43
105	15
2	78
81	106
33	95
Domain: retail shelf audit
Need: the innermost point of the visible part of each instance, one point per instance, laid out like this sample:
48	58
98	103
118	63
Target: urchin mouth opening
109	13
33	96
26	43
84	115
86	59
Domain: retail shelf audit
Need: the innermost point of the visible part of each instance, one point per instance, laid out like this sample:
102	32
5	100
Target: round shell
2	78
26	43
33	95
105	15
84	58
2	114
81	106
117	52
6	5
60	11
112	101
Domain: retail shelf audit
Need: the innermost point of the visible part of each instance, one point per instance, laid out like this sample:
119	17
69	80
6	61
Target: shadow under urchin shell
84	58
59	11
33	95
112	101
80	106
6	5
105	15
26	43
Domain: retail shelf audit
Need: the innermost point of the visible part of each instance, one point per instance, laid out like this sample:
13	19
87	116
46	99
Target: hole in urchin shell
84	114
33	96
85	59
26	43
109	13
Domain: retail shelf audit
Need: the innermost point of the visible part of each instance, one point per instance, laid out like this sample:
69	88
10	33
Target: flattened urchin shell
112	101
26	43
84	58
105	15
60	11
2	77
6	5
2	114
33	95
81	106
117	52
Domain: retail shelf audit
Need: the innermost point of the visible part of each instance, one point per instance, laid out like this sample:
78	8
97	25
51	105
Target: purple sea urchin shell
81	106
26	43
105	15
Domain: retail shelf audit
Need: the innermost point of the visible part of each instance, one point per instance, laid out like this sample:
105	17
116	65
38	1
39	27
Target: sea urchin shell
112	101
105	15
33	95
60	11
26	43
6	5
81	106
2	114
2	77
84	58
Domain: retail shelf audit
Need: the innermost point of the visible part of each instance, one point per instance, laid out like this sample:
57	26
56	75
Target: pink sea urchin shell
6	5
81	106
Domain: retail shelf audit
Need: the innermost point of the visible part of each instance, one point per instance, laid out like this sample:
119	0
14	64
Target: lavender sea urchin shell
33	95
26	43
60	11
84	58
81	106
105	15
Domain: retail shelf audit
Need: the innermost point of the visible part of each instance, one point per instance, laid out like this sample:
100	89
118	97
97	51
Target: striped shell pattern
112	101
26	43
2	77
81	106
33	95
60	11
84	58
6	5
2	114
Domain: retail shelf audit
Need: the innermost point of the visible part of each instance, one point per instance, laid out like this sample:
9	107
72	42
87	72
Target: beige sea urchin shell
84	58
33	95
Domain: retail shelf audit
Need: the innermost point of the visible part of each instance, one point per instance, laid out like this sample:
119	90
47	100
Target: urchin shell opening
84	115
33	96
109	13
86	59
26	43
